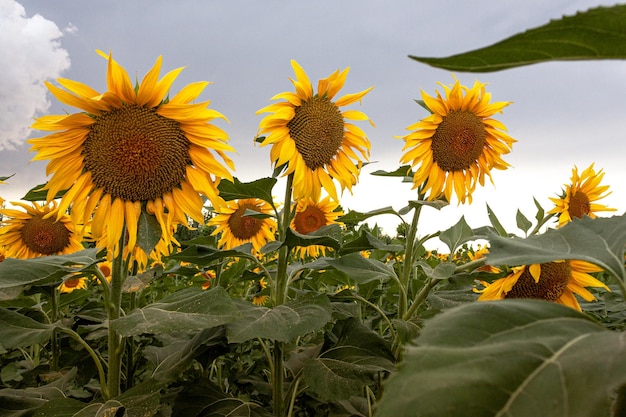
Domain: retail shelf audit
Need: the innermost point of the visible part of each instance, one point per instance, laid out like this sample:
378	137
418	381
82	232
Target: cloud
31	54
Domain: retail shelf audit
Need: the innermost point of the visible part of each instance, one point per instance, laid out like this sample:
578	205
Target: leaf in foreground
513	358
598	33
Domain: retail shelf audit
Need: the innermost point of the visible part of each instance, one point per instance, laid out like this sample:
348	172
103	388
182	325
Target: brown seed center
135	154
317	129
309	220
45	236
579	205
458	141
553	280
244	227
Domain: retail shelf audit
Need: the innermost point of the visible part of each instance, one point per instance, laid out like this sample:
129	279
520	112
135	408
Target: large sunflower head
580	196
242	221
553	281
309	217
130	148
311	137
458	144
38	230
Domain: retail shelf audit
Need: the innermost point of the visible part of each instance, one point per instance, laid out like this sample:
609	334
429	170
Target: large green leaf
513	358
203	254
261	188
354	362
284	322
367	241
190	309
43	270
18	330
148	231
600	241
598	33
458	234
361	270
356	217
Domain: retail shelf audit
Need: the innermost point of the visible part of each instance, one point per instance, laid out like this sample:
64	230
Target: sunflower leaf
597	33
200	254
329	235
39	193
403	171
47	270
512	358
356	217
18	330
522	222
495	222
367	241
356	267
191	309
600	241
458	234
261	188
282	323
148	231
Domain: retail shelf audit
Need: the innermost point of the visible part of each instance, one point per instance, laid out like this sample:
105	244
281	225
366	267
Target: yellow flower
552	281
132	148
236	227
260	299
458	143
39	230
580	195
479	253
71	284
309	134
310	216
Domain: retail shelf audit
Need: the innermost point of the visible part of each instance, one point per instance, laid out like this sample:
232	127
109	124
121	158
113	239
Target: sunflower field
163	285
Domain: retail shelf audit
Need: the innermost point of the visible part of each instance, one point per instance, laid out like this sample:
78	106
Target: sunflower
309	217
553	281
579	196
479	253
260	299
237	223
39	230
310	135
71	284
132	148
458	143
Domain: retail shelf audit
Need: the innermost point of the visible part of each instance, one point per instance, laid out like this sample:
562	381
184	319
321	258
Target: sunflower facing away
310	135
458	144
236	225
552	281
580	195
38	230
130	148
310	216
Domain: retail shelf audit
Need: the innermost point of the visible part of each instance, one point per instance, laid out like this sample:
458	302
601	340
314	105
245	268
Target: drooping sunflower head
580	196
132	150
312	138
553	281
458	144
245	220
38	230
309	217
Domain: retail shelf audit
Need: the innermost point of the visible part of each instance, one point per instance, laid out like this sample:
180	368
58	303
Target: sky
563	113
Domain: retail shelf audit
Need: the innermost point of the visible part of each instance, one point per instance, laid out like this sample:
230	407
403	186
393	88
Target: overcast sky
564	114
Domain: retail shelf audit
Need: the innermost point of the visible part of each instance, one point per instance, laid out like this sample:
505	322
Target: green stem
114	307
420	298
103	384
54	316
408	259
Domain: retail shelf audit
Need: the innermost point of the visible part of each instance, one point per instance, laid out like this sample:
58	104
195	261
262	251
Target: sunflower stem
114	307
279	293
54	316
408	260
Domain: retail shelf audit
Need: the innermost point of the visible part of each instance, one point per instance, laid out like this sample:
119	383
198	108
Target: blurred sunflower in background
552	281
37	230
244	220
458	144
311	137
580	195
260	298
130	149
309	217
73	283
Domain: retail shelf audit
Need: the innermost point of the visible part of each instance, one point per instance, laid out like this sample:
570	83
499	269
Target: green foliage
595	34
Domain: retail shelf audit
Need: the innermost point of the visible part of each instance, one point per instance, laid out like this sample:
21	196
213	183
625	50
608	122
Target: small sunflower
132	148
309	217
71	284
39	230
580	195
310	135
479	253
260	299
553	281
458	144
237	227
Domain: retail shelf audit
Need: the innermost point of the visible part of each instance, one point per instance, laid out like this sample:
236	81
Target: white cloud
31	54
